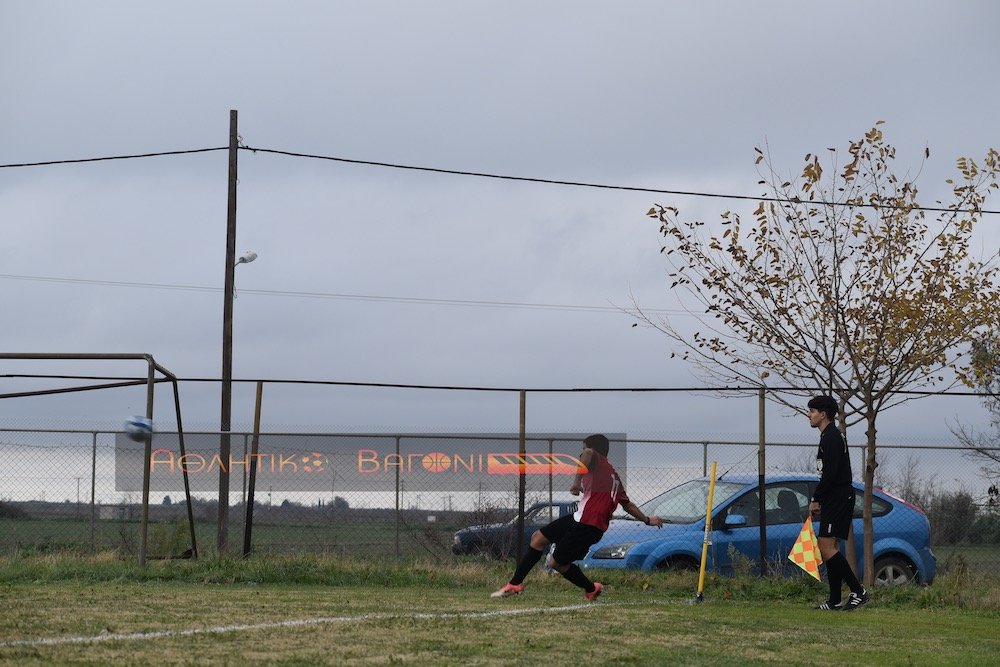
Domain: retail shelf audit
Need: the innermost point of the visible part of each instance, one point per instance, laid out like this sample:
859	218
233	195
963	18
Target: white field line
323	620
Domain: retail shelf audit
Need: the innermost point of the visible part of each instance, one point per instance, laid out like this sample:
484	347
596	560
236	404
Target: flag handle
708	537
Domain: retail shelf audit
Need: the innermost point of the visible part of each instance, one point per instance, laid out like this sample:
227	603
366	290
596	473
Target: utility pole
225	422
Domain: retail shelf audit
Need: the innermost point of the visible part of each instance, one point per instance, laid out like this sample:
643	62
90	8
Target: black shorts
572	539
836	511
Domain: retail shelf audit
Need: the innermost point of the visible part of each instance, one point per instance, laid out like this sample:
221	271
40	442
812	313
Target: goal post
152	369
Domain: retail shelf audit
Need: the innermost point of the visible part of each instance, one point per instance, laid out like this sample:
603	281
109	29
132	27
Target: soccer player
833	503
574	533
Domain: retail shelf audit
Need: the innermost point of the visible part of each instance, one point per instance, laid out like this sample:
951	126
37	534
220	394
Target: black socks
528	561
573	573
838	570
575	576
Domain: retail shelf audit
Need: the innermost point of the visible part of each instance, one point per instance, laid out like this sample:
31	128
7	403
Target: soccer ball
138	428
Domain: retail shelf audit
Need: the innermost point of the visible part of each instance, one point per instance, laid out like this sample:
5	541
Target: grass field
299	611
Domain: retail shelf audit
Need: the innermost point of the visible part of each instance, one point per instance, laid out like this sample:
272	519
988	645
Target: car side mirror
735	521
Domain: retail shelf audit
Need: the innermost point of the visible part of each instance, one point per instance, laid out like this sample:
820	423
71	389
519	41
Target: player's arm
828	454
634	510
815	504
577	486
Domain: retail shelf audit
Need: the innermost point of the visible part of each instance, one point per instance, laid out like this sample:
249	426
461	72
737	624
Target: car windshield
689	501
542	514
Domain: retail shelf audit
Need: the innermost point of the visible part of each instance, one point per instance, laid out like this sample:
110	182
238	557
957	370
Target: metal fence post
248	502
521	480
245	438
398	497
550	480
93	492
761	401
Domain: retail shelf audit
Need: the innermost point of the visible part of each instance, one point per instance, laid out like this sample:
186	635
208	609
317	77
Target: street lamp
245	258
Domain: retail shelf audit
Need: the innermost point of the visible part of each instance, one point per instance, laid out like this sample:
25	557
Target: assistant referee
833	503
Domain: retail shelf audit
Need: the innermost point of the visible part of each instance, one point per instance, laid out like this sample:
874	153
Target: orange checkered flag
805	551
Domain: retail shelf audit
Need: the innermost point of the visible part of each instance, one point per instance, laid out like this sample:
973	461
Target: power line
398	385
351	297
112	157
601	186
524	179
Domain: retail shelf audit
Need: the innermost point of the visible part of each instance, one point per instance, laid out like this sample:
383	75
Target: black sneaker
829	606
854	600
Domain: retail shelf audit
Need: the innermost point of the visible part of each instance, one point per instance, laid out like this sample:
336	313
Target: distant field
171	537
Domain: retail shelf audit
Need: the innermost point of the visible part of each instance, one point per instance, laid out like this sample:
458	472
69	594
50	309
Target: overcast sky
664	95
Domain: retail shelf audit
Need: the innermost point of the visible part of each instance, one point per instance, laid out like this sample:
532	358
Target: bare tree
840	283
912	484
984	446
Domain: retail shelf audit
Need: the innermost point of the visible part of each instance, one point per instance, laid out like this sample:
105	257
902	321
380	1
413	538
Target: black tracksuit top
833	461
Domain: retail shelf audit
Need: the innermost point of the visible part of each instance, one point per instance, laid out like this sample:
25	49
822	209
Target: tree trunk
850	549
870	465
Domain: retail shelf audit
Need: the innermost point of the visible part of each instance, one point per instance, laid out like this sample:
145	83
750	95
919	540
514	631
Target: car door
786	505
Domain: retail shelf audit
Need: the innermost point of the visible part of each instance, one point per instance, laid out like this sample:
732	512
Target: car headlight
614	551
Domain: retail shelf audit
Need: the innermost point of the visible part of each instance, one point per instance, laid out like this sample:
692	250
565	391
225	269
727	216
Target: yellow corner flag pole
708	537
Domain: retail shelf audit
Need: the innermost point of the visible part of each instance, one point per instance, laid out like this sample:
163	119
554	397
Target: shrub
11	511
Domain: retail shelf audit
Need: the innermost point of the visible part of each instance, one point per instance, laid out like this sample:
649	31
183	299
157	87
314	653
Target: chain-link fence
424	495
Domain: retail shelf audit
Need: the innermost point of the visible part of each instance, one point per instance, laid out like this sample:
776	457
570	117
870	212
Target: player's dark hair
599	443
827	404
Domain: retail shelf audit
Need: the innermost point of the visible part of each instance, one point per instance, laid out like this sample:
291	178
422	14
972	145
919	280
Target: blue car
901	531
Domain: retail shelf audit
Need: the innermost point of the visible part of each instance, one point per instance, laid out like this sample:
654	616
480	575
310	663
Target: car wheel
678	564
893	571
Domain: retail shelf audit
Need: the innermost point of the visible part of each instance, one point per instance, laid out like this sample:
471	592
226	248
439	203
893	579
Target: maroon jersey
603	492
